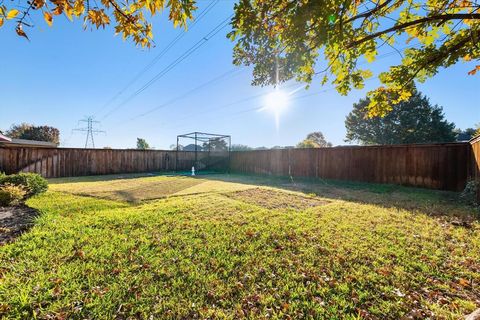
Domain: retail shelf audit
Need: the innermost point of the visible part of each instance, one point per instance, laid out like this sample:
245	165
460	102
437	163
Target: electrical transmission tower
90	130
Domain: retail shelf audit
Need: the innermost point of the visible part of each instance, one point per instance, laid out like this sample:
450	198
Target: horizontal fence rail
434	166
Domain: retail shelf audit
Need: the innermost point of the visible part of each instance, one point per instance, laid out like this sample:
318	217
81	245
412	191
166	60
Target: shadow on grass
107	177
430	202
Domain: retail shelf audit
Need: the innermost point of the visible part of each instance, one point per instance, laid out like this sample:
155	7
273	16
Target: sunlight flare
277	101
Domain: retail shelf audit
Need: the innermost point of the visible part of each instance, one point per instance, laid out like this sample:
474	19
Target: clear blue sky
65	73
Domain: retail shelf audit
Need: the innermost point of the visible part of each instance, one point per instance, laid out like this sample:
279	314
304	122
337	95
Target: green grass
206	248
136	188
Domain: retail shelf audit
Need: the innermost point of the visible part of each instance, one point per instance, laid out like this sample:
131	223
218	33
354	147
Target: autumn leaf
1	22
68	10
12	14
80	254
37	4
20	32
48	18
78	8
464	282
58	11
474	71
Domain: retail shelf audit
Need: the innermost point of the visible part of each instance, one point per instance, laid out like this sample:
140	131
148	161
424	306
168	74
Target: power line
159	55
195	47
261	107
66	141
231	72
90	130
379	57
252	97
172	65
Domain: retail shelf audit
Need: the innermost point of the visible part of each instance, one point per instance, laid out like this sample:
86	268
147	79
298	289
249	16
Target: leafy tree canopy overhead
314	140
283	39
129	18
413	121
30	132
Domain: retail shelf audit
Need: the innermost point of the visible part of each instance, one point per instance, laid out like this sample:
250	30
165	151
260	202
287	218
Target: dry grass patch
273	199
131	190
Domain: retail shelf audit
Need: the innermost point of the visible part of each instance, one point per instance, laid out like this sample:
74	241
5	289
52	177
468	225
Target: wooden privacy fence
66	162
434	166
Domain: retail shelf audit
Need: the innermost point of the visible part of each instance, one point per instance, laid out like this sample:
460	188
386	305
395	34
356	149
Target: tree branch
443	17
369	12
441	54
119	10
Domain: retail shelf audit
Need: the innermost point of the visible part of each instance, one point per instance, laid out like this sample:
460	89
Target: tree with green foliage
284	39
216	144
465	135
241	147
142	144
314	140
413	121
30	132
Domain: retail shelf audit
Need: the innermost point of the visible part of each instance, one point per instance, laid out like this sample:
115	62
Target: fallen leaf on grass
464	282
398	292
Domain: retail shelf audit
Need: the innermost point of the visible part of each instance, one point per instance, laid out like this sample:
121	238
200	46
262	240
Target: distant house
8	142
4	138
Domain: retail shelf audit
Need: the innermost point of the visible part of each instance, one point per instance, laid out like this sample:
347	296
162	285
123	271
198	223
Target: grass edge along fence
445	166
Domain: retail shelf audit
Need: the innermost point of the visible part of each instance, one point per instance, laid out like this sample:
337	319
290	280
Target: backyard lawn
227	246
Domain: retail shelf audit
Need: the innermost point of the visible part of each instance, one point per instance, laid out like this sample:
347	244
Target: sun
276	101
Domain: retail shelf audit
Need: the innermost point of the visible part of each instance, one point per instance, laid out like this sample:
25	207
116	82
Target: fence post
475	162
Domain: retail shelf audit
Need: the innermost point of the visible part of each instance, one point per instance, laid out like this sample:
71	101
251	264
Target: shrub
469	194
33	183
11	194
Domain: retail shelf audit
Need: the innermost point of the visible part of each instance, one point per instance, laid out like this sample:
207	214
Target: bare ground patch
272	199
14	221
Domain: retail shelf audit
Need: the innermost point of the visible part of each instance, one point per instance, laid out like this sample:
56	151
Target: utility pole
90	130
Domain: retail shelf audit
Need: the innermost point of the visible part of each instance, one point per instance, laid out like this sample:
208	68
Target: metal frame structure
205	138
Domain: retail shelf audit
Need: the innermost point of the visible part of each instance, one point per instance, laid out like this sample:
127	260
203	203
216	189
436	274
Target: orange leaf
464	282
20	32
57	11
48	18
474	71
